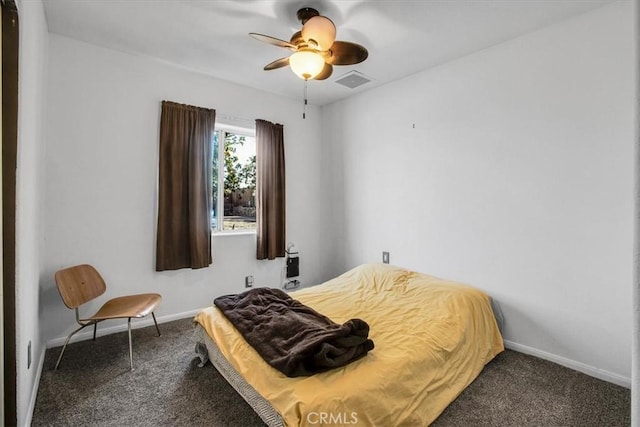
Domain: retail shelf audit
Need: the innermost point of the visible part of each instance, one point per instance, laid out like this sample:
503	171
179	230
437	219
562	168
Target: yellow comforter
432	338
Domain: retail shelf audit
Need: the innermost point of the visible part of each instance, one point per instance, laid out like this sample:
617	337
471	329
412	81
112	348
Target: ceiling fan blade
346	53
296	38
278	63
272	40
325	73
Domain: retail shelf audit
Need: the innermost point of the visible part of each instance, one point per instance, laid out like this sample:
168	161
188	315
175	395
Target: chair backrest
79	284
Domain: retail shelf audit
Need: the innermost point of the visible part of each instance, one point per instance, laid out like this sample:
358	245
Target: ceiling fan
315	49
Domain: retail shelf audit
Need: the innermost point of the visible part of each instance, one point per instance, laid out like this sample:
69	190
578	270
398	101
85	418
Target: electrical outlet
248	282
385	257
29	355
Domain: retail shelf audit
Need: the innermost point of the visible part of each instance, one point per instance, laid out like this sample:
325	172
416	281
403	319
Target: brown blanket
291	337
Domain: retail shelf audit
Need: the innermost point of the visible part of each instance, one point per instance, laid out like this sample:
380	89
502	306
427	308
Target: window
233	180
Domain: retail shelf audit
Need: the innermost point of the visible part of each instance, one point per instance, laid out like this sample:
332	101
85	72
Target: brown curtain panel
270	201
184	199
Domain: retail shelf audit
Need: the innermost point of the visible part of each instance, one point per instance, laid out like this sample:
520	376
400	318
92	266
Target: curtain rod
233	118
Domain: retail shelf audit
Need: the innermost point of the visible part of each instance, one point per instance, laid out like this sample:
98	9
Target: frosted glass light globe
306	63
319	32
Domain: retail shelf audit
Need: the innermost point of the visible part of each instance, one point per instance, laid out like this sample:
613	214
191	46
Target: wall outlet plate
385	257
248	282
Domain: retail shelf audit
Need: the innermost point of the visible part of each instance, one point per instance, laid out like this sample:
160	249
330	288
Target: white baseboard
135	323
34	390
572	364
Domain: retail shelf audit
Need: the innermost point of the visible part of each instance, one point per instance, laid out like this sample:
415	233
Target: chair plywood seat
137	306
82	283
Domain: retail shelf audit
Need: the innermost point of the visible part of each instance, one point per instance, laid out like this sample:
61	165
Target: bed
432	338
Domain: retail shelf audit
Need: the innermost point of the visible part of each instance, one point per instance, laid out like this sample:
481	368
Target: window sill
233	233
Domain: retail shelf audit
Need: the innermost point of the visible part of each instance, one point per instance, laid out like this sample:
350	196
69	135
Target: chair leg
64	347
130	348
154	321
130	345
95	326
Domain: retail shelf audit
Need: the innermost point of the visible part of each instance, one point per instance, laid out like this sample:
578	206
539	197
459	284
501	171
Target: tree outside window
234	203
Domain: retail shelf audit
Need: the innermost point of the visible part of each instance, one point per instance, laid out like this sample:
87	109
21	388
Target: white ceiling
211	36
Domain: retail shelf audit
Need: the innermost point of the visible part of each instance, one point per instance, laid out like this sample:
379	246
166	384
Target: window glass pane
214	182
239	182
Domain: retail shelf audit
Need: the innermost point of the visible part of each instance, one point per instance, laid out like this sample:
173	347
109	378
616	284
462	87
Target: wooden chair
82	283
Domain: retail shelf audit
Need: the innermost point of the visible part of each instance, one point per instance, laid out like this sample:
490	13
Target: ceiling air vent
353	79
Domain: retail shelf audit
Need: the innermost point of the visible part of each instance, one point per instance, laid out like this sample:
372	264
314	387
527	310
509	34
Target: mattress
432	338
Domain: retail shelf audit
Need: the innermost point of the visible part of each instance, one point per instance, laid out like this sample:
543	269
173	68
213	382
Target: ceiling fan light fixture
319	31
306	63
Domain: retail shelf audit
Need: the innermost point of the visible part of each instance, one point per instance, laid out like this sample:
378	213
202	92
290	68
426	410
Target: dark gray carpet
94	387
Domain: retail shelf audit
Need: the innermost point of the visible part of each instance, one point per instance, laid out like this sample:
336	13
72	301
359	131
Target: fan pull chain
304	106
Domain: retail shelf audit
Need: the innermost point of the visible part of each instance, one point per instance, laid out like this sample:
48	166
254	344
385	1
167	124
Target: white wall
102	129
29	200
517	178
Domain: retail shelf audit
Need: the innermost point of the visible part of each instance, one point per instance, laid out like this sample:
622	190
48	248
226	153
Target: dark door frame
10	32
